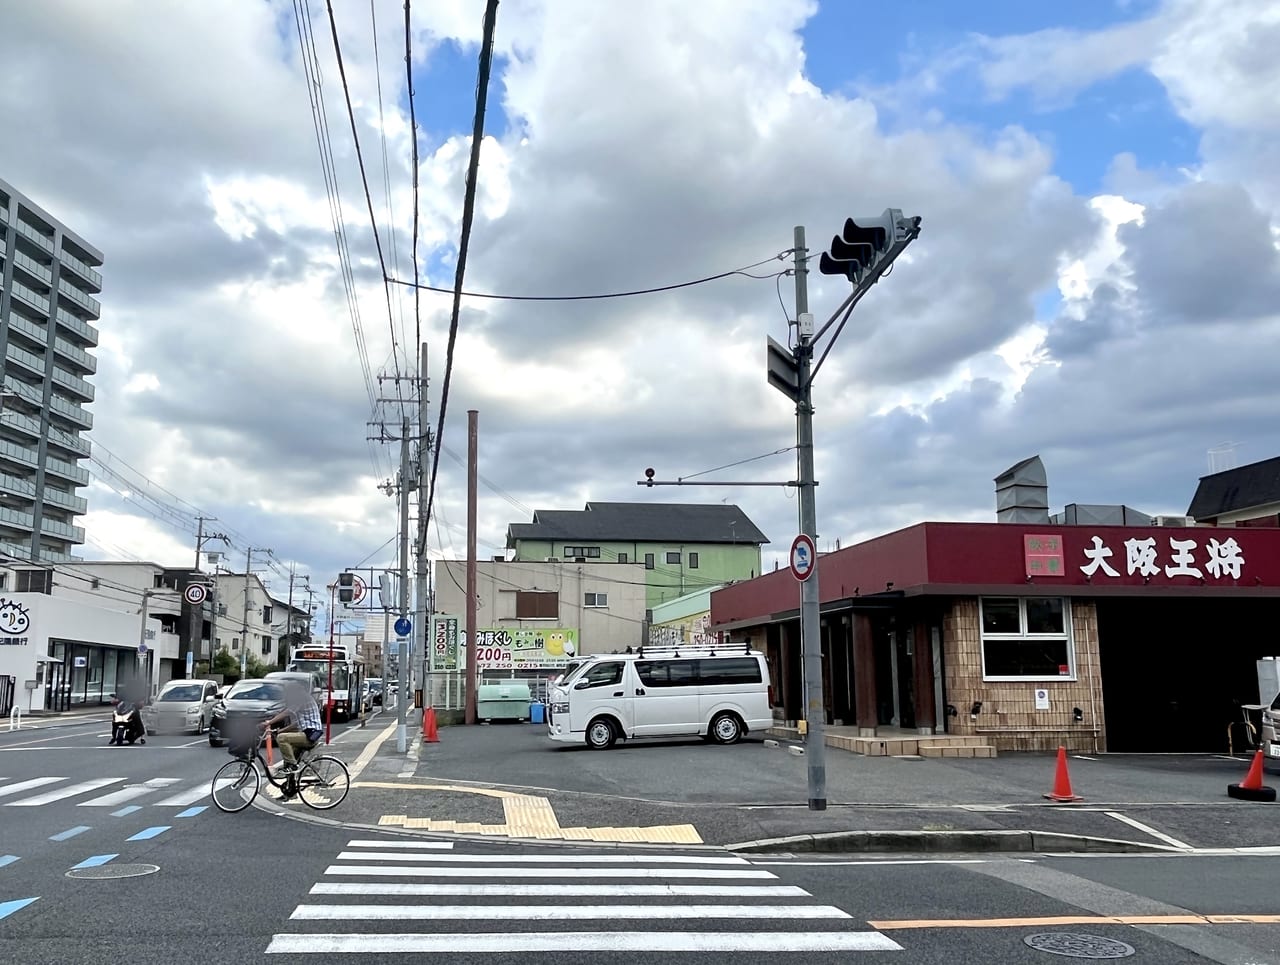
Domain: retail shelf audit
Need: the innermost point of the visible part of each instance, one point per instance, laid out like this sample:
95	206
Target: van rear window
693	673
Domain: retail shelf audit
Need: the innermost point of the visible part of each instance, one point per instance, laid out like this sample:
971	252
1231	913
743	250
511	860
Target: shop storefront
1029	635
87	674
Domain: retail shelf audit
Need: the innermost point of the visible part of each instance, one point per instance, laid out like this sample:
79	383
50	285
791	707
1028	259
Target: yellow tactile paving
530	816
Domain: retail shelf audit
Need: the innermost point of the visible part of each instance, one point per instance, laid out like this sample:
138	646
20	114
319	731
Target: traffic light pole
810	633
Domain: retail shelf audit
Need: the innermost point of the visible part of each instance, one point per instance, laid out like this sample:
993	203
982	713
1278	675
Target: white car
1270	741
181	705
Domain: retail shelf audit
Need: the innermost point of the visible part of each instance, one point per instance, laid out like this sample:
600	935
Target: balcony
81	268
16	519
37	333
77	325
77	447
22	455
56	497
66	470
21	550
34	363
52	527
17	486
87	302
79	356
77	414
31	297
40	240
33	267
74	384
22	423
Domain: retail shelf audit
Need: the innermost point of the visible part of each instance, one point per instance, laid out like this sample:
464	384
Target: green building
684	547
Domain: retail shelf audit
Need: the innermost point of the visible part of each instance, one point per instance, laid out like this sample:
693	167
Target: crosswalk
101	792
559	901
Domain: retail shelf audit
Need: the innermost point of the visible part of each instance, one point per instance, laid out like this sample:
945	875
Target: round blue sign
142	649
403	626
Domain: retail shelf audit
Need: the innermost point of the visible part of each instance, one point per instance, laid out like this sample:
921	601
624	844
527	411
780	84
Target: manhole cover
115	871
1078	946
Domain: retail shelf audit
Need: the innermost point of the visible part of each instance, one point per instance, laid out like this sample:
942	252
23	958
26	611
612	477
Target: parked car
181	705
246	705
1270	739
374	686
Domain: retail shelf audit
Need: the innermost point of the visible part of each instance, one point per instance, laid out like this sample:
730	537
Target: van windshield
569	672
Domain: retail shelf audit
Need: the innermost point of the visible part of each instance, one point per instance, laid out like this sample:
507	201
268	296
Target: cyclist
301	706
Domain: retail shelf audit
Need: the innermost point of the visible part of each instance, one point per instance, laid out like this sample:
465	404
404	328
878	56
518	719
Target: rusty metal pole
473	671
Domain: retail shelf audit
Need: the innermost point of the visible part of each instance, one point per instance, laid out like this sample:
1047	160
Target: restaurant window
1026	638
535	604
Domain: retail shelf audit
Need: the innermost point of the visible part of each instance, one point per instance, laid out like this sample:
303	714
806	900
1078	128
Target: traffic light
865	242
346	587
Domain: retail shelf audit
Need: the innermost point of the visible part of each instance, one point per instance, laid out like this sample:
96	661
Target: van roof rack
692	650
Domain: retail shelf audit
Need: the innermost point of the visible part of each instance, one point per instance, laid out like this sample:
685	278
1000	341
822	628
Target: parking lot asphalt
475	776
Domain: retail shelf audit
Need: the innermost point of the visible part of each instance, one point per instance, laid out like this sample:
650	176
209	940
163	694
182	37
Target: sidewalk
511	781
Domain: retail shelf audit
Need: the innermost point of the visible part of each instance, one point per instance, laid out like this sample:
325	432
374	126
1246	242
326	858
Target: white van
719	693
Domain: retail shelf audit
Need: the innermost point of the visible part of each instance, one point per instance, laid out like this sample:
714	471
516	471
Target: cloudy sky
1096	279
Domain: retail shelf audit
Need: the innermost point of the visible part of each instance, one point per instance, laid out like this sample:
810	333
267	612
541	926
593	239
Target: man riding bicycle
300	706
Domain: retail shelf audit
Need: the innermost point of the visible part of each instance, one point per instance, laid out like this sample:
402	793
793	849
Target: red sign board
1043	555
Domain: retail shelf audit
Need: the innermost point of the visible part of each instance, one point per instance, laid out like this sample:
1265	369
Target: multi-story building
683	546
48	277
245	617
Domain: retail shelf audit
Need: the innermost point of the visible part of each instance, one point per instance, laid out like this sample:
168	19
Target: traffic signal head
863	242
648	475
346	587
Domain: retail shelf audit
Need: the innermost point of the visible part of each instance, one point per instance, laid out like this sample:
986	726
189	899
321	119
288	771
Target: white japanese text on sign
1220	559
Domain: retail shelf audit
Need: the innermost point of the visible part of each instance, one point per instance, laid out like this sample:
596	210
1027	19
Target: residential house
682	547
1244	496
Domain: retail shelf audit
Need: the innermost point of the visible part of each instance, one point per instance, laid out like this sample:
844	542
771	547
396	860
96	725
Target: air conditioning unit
1173	521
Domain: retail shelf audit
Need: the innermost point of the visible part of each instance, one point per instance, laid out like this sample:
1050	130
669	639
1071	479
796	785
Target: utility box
503	701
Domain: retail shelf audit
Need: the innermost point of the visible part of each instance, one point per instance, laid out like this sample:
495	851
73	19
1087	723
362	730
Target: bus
348	676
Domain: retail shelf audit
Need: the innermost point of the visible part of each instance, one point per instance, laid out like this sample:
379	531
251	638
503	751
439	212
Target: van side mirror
582	685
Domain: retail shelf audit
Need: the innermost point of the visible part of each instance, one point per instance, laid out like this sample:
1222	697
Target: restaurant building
1030	632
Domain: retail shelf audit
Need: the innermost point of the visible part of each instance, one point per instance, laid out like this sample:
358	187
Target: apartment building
48	278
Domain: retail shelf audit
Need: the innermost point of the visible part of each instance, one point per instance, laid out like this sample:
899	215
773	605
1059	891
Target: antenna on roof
1223	456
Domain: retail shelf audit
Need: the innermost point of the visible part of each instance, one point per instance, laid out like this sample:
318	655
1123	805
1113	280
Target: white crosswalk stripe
731	905
43	791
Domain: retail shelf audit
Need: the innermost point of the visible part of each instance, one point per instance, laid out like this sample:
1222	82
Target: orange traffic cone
1252	788
1062	780
429	735
269	747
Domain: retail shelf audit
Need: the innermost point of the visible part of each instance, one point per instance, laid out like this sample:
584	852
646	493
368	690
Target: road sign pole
810	633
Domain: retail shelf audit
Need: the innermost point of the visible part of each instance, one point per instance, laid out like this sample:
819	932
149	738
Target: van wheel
725	728
600	734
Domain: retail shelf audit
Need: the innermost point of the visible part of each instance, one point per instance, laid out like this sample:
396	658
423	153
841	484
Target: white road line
1147	829
27	785
586	890
64	792
524	942
514	872
129	793
538	858
192	794
400	843
556	912
886	861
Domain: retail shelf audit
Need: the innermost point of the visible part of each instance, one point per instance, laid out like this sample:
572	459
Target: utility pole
810	632
422	605
402	647
473	669
244	623
288	616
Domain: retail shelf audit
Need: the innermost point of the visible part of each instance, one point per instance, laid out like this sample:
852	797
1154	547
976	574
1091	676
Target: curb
947	841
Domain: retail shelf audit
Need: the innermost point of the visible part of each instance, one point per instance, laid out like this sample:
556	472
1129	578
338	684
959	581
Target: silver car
181	705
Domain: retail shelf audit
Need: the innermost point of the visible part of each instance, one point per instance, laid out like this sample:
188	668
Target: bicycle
321	781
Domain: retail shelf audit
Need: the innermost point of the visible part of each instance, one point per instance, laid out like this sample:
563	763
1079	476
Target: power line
413	154
364	180
468	212
745	270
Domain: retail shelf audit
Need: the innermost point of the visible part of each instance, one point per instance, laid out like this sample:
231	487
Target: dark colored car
247	704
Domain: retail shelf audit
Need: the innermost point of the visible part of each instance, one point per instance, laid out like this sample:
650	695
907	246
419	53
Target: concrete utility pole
422	603
810	632
473	668
244	622
402	647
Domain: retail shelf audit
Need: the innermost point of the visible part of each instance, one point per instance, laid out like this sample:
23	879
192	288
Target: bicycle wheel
235	786
323	783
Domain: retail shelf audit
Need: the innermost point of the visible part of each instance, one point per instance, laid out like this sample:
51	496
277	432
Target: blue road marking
126	810
69	833
96	861
192	812
7	908
146	833
7	859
